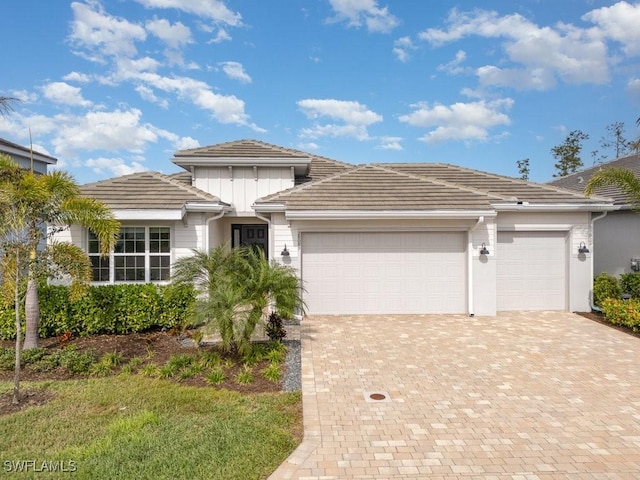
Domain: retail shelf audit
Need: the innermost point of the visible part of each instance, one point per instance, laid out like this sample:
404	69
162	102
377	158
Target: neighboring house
25	157
378	238
617	235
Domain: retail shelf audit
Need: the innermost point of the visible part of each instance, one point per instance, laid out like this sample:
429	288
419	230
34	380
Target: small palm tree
236	288
36	201
622	178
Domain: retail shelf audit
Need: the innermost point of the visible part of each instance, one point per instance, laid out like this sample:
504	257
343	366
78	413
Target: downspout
206	228
593	220
270	239
470	266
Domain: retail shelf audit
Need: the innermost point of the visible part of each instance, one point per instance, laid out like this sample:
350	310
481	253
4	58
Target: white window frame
147	255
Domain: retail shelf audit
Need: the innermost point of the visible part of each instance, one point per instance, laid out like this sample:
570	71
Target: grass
125	426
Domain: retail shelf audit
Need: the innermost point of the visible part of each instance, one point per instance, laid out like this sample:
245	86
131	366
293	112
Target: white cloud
149	95
460	121
109	131
390	143
619	22
184	143
114	166
540	55
175	36
24	96
102	34
235	71
221	36
401	48
367	12
61	92
76	77
454	66
355	117
633	87
210	9
350	112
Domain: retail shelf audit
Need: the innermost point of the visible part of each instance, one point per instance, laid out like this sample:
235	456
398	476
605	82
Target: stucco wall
616	241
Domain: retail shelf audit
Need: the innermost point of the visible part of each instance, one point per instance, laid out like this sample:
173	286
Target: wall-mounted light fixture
583	248
484	250
285	252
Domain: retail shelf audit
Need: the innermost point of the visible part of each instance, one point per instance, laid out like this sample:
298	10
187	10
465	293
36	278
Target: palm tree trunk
16	303
32	313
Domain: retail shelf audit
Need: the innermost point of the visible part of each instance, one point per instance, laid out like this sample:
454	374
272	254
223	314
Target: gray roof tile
578	181
151	190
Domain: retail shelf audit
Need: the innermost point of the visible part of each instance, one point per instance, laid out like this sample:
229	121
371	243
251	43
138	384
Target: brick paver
520	396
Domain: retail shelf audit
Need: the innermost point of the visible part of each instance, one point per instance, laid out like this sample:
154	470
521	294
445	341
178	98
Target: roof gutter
556	207
593	220
470	266
385	214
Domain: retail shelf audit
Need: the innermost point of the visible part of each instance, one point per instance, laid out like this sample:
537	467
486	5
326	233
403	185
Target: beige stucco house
376	238
616	234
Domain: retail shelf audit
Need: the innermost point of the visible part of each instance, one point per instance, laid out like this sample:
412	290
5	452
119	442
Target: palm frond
622	178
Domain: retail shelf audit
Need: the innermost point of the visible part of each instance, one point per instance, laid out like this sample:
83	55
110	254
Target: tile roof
578	181
151	190
242	149
508	189
374	187
420	186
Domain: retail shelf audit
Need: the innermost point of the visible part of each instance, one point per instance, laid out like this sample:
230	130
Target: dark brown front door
250	235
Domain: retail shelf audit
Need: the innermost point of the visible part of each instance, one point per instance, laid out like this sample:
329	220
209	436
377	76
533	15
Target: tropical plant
237	286
38	206
622	178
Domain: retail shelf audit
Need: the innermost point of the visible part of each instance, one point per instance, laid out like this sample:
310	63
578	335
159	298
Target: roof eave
386	214
148	214
300	165
206	207
555	207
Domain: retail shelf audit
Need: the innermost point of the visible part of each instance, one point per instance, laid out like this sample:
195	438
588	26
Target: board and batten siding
242	186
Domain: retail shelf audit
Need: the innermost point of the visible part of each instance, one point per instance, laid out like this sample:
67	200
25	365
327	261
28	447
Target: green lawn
135	427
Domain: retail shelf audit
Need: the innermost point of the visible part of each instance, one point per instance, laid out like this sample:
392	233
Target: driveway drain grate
376	397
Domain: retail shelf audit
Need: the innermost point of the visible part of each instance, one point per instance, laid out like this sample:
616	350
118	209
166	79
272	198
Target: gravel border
293	376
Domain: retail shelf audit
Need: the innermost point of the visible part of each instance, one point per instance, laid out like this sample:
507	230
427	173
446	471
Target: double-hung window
141	254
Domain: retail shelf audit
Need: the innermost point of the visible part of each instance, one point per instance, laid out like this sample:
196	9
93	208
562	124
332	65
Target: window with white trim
141	254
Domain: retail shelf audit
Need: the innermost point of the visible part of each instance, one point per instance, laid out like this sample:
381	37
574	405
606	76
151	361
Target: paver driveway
539	395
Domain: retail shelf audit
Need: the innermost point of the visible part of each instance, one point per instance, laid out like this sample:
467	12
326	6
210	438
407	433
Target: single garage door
532	271
376	272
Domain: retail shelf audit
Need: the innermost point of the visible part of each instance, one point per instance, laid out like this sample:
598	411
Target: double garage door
425	272
376	272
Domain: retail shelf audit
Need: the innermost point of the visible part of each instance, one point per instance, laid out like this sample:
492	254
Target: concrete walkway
526	396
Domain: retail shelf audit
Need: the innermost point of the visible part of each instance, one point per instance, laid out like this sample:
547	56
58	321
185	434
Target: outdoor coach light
484	250
285	252
583	248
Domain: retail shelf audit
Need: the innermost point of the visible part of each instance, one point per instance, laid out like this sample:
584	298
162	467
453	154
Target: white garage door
531	271
375	272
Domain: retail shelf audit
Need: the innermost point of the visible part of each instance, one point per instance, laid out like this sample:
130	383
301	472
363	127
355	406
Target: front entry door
251	235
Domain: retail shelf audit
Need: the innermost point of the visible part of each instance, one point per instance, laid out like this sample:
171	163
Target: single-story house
374	238
616	236
25	157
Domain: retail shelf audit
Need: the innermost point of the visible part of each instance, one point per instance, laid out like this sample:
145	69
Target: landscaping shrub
622	312
605	286
630	283
111	309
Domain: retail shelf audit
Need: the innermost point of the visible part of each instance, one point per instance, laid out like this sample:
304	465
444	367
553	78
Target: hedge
111	309
622	312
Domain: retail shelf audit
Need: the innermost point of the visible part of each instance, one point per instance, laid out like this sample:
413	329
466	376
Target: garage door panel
375	272
531	271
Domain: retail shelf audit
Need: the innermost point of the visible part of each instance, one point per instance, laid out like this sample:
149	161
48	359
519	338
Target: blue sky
116	86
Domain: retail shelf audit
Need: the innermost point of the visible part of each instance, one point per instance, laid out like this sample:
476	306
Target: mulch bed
151	347
599	317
